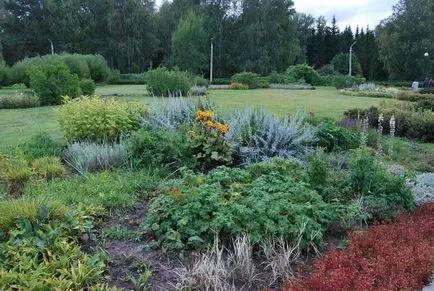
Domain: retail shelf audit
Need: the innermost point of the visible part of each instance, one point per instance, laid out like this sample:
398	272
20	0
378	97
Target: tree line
248	35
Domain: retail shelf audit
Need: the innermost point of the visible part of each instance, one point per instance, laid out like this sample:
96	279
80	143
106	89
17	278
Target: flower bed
395	256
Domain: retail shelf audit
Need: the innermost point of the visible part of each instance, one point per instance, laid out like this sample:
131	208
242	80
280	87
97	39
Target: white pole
211	61
351	55
52	47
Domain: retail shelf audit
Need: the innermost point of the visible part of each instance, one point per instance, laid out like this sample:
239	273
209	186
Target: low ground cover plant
41	145
43	253
92	118
367	90
111	190
264	200
388	256
292	86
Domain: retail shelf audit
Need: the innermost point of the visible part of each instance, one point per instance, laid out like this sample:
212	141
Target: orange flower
222	128
204	115
210	124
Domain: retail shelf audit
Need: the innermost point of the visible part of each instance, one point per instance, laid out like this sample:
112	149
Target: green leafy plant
52	81
150	148
303	72
207	144
332	137
41	145
97	119
270	199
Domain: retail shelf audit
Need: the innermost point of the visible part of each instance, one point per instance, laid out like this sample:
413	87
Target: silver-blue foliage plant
170	113
259	136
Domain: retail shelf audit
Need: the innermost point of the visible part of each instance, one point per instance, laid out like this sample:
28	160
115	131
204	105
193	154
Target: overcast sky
348	12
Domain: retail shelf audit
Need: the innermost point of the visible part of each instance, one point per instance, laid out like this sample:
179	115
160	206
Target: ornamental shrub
332	137
87	87
97	119
266	200
342	82
162	82
51	82
98	68
251	79
41	145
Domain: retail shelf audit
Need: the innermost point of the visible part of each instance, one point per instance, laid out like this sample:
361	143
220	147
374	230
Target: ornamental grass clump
259	136
171	114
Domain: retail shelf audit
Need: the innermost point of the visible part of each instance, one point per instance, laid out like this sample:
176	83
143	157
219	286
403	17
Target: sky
348	12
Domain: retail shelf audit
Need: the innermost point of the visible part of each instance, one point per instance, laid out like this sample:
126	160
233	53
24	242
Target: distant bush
98	67
19	100
341	62
364	90
341	82
51	82
238	86
85	157
197	91
292	86
87	87
276	78
200	81
221	81
41	145
83	66
327	70
162	82
251	79
126	79
4	70
258	136
303	72
97	119
413	97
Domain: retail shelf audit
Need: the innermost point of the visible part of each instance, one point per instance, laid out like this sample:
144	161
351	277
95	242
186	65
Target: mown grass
18	125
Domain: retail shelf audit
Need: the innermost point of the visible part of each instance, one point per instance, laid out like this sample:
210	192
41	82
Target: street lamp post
428	63
211	61
351	55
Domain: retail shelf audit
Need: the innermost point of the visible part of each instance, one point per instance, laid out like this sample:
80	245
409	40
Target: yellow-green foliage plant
48	168
14	172
92	118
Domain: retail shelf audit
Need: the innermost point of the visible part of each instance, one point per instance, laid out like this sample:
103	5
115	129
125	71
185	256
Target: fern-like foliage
170	114
259	136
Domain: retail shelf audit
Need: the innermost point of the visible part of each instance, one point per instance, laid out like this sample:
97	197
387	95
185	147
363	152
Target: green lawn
18	125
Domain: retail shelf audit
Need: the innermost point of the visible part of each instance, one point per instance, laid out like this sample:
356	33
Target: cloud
348	12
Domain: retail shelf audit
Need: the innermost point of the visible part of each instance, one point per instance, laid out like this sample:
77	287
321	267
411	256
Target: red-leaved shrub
394	256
